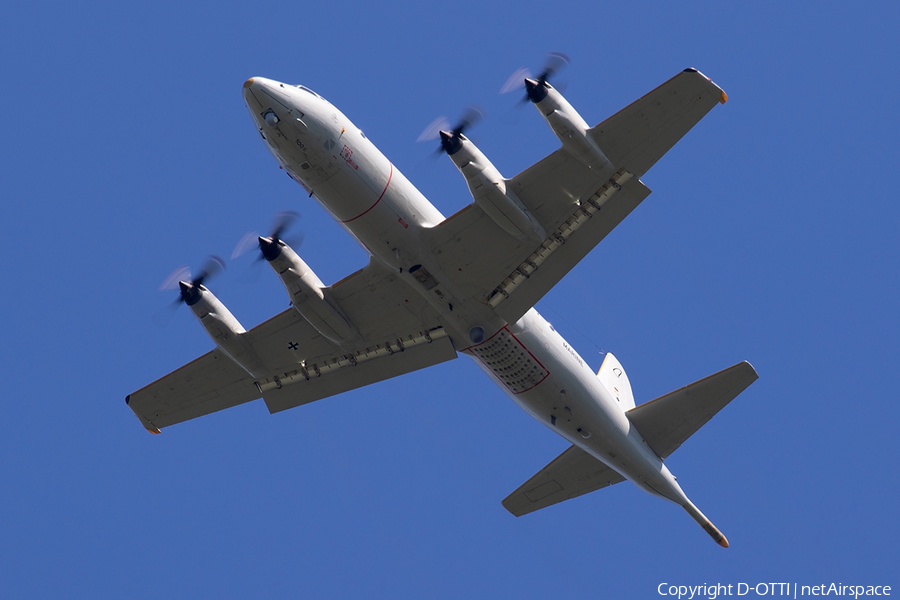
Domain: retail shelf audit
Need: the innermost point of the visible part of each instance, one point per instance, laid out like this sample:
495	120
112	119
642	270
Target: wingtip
723	97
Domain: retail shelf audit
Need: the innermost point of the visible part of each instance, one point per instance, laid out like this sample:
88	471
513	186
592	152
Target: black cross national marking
293	345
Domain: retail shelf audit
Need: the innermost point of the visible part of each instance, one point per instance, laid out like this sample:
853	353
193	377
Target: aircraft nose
259	94
256	88
259	91
270	101
252	86
247	92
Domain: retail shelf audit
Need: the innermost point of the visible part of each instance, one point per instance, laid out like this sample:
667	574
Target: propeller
190	287
536	87
270	246
450	136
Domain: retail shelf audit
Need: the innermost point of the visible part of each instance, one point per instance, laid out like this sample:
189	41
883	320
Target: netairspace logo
793	590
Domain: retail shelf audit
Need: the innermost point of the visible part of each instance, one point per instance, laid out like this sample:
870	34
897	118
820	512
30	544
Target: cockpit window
306	89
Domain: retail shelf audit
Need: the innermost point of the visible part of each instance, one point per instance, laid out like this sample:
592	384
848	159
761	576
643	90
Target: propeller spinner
536	87
191	289
451	140
269	246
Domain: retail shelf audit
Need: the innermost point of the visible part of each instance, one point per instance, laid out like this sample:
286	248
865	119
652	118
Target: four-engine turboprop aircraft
438	286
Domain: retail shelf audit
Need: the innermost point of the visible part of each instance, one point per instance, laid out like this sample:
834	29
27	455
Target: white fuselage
334	161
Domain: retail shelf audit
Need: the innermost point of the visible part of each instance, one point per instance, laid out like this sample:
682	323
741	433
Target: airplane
438	287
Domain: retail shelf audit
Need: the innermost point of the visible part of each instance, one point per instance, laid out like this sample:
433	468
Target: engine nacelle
308	294
566	123
222	327
490	191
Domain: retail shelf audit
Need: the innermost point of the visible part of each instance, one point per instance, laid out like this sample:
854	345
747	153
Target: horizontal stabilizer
571	474
665	423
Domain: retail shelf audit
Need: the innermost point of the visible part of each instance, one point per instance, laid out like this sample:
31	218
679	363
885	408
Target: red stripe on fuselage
383	192
533	358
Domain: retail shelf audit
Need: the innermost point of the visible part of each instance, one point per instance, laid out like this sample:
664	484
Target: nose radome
271	87
249	86
252	88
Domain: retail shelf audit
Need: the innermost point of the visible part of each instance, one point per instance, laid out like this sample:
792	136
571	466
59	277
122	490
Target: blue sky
771	236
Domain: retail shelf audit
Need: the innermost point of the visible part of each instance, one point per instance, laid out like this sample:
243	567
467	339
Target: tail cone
708	527
715	534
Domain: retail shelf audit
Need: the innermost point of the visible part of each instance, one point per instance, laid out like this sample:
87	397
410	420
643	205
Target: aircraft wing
576	206
400	331
571	474
638	135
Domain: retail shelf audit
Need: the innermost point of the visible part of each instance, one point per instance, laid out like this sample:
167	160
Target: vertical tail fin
612	376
